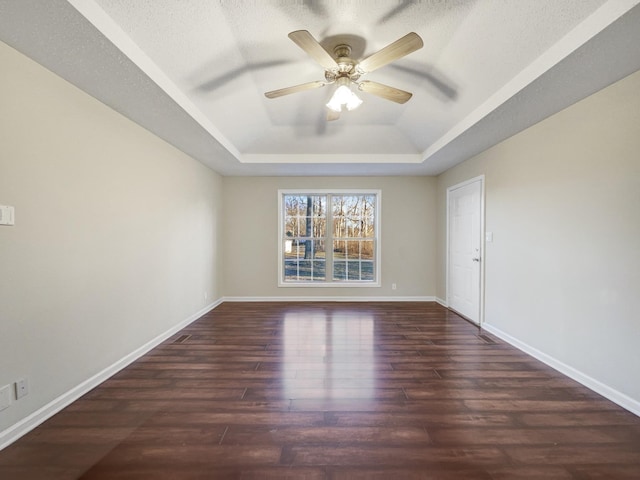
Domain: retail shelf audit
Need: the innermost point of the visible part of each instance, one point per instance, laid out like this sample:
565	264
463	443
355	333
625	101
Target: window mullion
329	241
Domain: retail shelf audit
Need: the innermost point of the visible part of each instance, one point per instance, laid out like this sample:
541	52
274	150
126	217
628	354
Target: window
329	238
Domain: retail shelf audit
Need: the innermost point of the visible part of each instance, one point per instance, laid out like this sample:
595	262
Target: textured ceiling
195	71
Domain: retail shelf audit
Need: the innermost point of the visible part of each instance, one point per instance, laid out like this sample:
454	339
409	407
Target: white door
464	207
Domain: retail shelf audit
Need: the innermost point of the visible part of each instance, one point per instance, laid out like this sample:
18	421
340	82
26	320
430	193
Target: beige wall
251	236
116	237
563	203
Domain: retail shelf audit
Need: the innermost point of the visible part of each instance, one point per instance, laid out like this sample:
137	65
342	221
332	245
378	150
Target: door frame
479	178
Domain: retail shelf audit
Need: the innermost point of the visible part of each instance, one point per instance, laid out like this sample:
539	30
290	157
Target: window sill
328	284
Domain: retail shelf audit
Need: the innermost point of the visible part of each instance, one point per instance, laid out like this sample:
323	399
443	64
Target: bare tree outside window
304	239
353	237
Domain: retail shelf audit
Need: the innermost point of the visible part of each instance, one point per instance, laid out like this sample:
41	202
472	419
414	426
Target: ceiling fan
344	71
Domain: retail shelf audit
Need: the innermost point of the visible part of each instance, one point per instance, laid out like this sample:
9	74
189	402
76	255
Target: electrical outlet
5	397
393	286
22	388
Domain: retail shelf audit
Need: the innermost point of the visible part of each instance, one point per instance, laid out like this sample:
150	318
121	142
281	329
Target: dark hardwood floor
333	391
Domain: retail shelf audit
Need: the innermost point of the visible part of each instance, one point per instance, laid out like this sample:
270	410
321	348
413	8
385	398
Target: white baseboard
24	426
606	391
328	299
441	302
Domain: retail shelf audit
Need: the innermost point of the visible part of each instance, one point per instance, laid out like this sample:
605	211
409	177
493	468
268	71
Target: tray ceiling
194	72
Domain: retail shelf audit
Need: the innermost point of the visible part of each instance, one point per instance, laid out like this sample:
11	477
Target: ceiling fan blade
398	49
306	42
332	115
385	91
295	89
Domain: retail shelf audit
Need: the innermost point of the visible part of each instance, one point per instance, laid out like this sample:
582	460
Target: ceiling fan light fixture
335	106
354	101
343	96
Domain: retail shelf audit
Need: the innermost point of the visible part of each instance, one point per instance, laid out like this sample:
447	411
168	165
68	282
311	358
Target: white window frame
329	282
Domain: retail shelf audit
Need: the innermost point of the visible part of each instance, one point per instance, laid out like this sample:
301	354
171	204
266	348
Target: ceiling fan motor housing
346	65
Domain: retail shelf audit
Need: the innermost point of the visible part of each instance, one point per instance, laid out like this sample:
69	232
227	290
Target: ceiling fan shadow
435	9
395	11
321	123
442	86
314	122
217	82
314	6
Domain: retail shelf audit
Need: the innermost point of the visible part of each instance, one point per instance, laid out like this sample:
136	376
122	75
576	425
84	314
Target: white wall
116	237
563	271
251	236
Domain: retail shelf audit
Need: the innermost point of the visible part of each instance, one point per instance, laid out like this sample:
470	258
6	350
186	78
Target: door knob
475	259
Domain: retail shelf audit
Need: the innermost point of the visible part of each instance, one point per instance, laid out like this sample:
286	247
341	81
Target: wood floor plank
237	418
327	435
528	472
333	391
523	436
540	405
569	419
394	456
605	472
205	473
381	473
576	455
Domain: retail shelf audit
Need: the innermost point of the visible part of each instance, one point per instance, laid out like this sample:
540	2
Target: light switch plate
22	388
488	236
5	397
7	215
